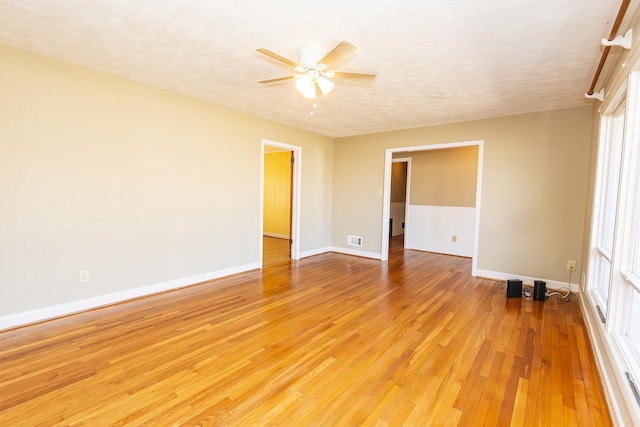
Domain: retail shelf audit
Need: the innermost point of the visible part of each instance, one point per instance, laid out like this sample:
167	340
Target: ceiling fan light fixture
306	84
315	68
325	85
303	82
310	92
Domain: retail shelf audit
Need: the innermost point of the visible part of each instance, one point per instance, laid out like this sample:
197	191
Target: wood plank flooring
329	340
274	250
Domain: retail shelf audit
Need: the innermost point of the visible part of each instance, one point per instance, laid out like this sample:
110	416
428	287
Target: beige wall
444	177
277	193
399	182
534	187
136	184
131	182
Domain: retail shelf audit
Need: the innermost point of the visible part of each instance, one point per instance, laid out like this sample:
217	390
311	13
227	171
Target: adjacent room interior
277	210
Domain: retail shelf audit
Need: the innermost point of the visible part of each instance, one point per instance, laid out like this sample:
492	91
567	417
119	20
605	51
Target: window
634	264
633	323
614	257
609	177
629	227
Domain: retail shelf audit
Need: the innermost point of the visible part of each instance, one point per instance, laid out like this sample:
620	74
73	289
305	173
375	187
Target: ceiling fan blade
338	54
358	76
277	57
277	79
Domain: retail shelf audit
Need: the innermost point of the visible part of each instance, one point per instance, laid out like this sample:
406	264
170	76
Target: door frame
295	196
386	202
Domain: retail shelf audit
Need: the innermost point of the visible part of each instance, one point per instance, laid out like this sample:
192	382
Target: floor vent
354	241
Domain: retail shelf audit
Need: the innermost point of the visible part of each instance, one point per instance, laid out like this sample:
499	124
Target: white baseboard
314	252
276	235
551	284
46	313
356	252
340	251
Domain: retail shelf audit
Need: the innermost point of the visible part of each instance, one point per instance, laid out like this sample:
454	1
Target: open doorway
280	198
400	192
419	219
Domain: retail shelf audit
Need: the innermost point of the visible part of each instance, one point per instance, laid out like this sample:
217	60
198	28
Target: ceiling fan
316	68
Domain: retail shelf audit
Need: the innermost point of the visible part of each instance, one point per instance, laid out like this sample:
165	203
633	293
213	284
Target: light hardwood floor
329	340
274	250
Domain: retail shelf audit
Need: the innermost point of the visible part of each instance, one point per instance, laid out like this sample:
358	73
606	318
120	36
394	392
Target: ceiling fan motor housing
311	55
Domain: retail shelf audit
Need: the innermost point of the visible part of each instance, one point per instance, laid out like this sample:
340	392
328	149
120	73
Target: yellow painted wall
277	193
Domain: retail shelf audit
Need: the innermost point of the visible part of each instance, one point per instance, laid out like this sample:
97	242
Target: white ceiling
438	61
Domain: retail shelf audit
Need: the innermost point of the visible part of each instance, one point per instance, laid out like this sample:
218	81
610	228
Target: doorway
399	200
280	202
474	220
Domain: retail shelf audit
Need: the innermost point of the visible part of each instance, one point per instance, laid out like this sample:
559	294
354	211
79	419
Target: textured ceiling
438	61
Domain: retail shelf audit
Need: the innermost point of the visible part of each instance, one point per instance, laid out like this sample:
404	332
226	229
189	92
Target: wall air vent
354	241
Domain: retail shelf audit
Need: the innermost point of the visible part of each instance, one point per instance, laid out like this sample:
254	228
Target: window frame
623	281
612	124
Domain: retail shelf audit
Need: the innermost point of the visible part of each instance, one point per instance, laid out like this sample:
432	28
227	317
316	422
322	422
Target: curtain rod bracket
596	95
622	41
605	52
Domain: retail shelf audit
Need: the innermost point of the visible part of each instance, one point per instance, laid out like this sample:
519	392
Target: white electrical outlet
454	238
571	265
83	276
